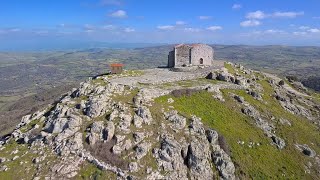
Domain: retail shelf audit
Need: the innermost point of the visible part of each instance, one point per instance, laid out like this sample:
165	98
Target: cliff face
158	124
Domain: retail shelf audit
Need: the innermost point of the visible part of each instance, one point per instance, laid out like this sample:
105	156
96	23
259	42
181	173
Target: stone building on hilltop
184	55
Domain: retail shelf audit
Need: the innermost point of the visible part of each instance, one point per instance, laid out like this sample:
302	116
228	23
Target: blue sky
286	22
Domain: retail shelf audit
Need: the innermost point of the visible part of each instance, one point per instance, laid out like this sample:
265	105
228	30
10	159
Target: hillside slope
228	122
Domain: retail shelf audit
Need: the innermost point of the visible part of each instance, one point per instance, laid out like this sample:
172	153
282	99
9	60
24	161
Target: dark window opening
201	61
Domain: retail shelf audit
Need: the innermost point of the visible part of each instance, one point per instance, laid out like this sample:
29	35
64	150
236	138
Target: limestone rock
198	157
145	114
223	163
224	75
306	150
178	122
240	99
280	143
4	168
137	121
97	106
133	167
121	146
138	136
212	136
169	158
142	149
2	160
109	131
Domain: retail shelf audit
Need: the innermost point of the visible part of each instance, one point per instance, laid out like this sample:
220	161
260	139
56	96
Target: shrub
223	144
103	151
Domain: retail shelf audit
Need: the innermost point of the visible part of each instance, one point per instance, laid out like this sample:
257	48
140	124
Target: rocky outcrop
178	122
306	150
267	127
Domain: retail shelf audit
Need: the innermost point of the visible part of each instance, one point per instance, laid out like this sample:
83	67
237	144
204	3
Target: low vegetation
89	171
261	161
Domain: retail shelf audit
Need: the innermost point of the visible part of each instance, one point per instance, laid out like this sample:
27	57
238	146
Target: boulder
211	75
133	167
169	158
2	160
306	150
212	136
223	163
97	106
138	136
137	121
4	168
109	131
240	99
145	114
96	132
280	143
142	149
198	157
178	122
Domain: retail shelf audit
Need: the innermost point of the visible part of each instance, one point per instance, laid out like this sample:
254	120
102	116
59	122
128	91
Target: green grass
89	171
126	97
30	125
189	83
261	162
99	81
27	169
229	68
132	73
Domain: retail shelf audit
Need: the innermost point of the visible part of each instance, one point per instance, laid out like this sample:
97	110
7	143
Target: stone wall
171	59
182	55
201	51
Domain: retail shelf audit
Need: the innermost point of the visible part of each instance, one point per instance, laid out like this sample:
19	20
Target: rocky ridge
119	128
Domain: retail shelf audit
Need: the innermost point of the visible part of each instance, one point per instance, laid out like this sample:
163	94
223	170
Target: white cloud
256	15
14	30
109	27
314	30
166	27
287	14
300	33
42	32
89	31
119	14
88	27
261	15
273	31
316	17
204	17
214	28
181	23
192	29
237	6
129	29
304	27
250	23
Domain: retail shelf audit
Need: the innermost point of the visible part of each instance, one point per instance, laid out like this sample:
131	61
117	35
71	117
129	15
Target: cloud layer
118	14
